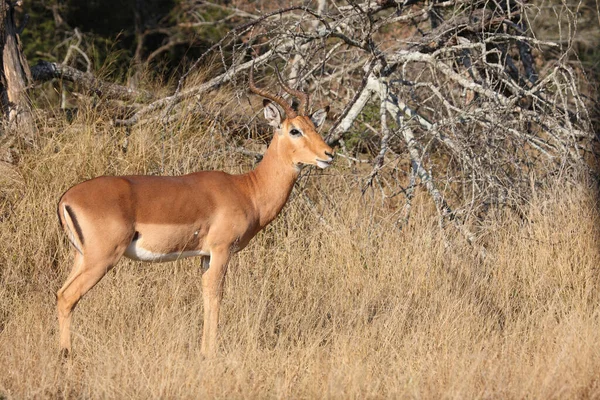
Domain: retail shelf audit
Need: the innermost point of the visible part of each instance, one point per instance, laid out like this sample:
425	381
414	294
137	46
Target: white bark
355	110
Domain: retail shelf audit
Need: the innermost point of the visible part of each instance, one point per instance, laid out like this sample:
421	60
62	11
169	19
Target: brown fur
210	211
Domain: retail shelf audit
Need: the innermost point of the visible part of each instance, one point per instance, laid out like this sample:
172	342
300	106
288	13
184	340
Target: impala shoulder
219	181
207	175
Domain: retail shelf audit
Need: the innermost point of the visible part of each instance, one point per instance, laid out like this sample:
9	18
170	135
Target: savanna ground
332	300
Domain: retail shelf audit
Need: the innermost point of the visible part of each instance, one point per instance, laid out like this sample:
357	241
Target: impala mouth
324	163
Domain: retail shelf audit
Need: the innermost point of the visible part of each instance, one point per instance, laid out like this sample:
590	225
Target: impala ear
272	114
318	117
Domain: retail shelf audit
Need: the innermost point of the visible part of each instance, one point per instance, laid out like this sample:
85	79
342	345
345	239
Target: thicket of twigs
463	98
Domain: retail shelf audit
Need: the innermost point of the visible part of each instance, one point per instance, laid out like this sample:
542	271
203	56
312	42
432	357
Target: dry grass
350	308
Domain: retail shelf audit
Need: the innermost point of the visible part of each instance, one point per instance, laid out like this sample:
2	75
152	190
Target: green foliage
111	28
40	36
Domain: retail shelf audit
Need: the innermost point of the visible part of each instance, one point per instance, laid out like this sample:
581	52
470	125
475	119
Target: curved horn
300	95
289	111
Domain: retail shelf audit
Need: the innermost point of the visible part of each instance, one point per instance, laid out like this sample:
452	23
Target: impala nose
326	163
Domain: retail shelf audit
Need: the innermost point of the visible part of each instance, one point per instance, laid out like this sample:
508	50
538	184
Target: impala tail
71	226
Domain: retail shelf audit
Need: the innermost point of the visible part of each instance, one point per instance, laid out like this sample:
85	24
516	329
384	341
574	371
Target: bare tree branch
44	71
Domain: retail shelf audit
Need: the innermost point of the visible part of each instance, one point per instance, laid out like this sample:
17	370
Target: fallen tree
46	71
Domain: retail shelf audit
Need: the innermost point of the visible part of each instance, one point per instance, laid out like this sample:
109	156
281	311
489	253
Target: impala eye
295	132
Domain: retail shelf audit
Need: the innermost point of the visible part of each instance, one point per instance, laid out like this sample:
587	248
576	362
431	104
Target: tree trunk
14	79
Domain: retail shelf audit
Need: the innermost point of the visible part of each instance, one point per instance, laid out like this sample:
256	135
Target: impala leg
212	293
64	315
86	272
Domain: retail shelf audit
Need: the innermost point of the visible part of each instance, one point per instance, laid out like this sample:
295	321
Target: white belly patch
136	252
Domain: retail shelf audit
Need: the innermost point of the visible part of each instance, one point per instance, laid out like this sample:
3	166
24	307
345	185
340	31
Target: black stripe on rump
60	217
75	223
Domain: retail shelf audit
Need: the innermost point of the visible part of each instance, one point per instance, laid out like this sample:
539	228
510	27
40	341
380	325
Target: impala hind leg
212	294
86	272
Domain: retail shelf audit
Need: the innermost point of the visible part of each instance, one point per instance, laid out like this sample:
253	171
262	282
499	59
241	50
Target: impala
208	214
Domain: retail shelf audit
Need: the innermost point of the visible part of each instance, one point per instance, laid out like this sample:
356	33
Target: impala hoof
64	354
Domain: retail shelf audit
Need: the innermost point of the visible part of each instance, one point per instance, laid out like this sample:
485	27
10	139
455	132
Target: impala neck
272	181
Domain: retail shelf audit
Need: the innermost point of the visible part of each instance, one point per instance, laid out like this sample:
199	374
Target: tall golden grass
331	300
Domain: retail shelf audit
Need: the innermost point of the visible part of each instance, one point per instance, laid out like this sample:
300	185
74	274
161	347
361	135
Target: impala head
297	133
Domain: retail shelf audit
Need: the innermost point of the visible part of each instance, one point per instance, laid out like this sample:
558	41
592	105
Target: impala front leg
212	293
